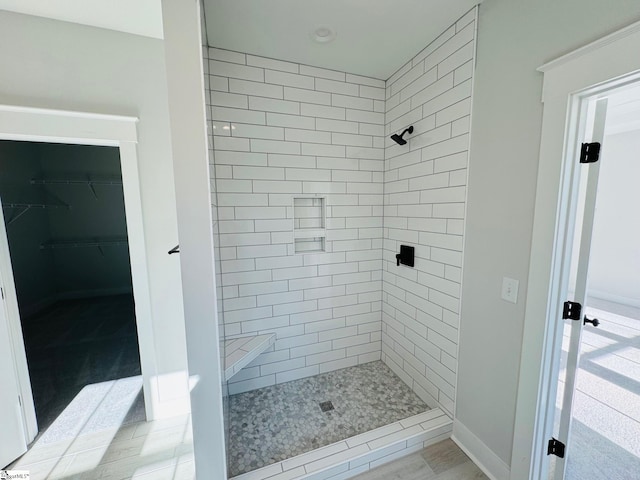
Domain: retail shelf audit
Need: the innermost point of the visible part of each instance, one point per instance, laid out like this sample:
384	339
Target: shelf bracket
18	215
93	189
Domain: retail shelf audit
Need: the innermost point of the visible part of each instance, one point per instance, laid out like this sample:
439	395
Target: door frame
607	63
579	229
60	126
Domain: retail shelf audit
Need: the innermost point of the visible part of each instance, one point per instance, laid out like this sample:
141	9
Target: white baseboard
476	450
610	297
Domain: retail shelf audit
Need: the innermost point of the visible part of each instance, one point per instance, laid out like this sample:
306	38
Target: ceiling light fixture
323	34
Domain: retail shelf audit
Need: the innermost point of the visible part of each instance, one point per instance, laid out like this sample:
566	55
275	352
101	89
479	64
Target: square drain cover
326	406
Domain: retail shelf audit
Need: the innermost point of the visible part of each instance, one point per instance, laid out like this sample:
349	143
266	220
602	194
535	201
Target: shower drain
326	406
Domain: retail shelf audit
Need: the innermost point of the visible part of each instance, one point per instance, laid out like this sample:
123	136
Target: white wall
186	95
614	265
514	38
283	130
65	66
424	206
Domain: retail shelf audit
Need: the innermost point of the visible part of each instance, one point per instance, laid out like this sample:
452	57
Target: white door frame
602	65
579	226
58	126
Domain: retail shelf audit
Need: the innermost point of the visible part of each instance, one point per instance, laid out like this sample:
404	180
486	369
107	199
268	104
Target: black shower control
406	255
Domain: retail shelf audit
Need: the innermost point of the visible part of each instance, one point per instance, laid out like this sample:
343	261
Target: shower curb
358	454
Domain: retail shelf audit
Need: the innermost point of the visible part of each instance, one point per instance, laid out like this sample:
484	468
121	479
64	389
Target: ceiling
373	37
140	17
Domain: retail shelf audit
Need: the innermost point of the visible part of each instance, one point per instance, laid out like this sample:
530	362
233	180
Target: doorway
66	232
597	68
78	128
598	401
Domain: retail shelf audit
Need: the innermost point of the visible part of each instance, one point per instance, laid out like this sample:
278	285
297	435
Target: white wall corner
480	453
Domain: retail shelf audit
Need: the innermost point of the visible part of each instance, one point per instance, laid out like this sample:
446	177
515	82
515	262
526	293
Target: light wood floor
163	450
158	450
442	461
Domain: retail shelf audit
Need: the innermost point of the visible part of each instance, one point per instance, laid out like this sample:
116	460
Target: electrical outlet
510	289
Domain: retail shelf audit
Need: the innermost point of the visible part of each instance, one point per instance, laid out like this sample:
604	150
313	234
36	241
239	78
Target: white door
13	442
586	205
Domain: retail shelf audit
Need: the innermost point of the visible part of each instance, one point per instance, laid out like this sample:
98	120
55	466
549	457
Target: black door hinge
556	447
572	310
590	152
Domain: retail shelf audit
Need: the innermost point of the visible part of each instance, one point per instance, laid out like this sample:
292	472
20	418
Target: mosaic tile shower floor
272	424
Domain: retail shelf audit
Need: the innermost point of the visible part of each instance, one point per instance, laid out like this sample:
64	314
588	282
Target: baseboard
610	297
37	307
483	456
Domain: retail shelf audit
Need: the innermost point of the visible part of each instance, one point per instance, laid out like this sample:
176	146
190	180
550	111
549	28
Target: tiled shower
312	201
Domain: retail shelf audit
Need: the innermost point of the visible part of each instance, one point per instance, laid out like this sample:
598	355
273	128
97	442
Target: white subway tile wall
280	130
424	206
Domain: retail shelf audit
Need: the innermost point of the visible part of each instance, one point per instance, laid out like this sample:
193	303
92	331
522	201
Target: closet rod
46	181
82	243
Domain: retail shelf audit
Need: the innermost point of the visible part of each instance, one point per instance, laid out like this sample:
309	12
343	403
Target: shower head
398	138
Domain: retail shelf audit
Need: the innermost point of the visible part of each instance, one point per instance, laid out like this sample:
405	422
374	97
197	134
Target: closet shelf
89	182
79	181
86	242
240	352
309	233
22	201
34	205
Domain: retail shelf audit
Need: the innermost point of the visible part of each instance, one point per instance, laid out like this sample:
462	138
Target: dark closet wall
33	268
44	275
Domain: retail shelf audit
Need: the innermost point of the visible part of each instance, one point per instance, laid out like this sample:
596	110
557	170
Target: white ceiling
374	37
140	17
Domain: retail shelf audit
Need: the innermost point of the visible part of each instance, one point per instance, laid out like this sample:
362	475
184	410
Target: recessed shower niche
313	202
309	224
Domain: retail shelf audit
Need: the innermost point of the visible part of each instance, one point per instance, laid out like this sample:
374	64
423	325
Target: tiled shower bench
240	352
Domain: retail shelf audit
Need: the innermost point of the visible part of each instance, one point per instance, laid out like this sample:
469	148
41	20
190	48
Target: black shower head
398	138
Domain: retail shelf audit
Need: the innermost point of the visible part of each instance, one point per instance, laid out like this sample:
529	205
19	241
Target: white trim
601	66
58	126
477	450
61	126
593	46
16	344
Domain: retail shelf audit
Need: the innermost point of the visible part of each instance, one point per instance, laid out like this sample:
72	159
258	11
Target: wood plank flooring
163	450
159	450
442	461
